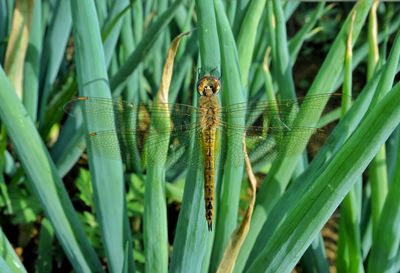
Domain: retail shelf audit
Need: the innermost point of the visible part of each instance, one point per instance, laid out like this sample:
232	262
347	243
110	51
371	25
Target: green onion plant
66	206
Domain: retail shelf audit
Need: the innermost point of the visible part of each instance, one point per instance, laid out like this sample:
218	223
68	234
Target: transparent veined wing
267	127
136	129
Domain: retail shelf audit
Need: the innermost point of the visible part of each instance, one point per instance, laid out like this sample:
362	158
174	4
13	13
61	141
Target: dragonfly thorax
209	109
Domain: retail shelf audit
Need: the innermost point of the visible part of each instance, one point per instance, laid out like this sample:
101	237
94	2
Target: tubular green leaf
155	211
209	51
32	63
233	92
247	37
45	180
46	240
284	71
53	51
383	243
349	257
9	259
193	242
385	249
106	173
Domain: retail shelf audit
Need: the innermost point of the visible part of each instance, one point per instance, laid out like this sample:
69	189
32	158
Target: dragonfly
138	130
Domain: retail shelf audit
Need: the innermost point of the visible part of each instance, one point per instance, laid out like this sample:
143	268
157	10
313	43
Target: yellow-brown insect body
207	87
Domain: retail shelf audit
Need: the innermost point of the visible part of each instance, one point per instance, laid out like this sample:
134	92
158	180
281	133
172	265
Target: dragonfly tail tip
209	226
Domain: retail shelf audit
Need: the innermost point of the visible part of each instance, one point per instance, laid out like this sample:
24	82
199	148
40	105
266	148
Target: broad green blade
45	180
107	174
9	261
233	92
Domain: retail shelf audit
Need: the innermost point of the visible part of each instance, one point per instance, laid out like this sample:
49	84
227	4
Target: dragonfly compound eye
216	85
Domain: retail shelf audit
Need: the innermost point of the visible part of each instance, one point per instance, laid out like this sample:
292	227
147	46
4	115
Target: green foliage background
60	213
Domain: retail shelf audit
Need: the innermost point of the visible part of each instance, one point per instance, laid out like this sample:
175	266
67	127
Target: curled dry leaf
18	43
162	94
232	250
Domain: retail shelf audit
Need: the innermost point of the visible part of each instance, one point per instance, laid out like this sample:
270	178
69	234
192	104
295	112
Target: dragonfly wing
279	111
107	143
179	145
150	146
116	114
269	143
269	129
137	132
276	143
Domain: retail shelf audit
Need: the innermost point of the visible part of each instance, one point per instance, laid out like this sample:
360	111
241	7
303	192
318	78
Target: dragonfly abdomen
209	151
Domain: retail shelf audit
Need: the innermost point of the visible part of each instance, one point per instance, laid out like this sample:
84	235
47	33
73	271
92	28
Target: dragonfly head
208	86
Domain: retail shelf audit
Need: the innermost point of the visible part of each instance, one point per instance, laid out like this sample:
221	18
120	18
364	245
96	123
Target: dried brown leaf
162	94
232	250
18	43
